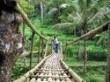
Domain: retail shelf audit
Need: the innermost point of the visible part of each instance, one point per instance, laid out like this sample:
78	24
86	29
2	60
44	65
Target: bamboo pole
61	50
65	52
32	41
92	33
42	47
72	73
39	54
25	77
28	21
46	48
26	53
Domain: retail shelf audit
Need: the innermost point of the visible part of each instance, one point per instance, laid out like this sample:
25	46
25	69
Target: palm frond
62	25
99	15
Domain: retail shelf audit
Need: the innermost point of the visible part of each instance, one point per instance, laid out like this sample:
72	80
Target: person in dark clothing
56	45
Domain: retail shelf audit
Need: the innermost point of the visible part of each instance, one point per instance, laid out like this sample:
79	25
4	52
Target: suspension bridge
52	68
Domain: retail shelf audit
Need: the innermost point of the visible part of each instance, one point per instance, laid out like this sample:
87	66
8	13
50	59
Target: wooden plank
53	76
33	80
49	79
42	69
39	80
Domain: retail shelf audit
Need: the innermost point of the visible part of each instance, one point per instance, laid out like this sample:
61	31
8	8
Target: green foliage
27	7
96	53
72	17
72	50
19	70
95	70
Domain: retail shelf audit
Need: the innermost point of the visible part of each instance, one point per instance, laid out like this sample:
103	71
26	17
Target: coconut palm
85	12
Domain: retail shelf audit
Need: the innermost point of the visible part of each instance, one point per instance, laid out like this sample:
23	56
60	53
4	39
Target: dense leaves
27	7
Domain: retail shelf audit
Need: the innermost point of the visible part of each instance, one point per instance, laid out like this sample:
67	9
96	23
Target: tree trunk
108	58
79	51
42	11
84	57
6	67
11	43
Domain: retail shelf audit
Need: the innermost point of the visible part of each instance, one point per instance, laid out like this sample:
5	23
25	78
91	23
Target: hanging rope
31	49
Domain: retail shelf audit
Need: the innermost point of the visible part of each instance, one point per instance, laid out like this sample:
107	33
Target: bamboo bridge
51	69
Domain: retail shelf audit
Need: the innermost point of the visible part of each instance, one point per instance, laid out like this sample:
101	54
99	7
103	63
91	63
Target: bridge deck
51	71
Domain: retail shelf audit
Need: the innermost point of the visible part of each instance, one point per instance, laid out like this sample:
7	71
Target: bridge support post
39	49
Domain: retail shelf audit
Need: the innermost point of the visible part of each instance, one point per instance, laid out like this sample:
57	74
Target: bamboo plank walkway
51	69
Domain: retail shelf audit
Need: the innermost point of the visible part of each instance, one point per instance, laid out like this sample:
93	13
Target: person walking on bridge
56	45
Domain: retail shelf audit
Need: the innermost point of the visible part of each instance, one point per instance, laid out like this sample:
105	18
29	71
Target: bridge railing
34	32
25	77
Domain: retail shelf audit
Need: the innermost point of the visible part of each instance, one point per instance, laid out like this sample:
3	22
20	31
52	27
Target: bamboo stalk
72	73
92	33
31	49
26	53
46	48
39	49
61	50
28	21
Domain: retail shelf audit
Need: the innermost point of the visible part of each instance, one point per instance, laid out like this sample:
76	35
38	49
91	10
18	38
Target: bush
72	50
96	53
18	71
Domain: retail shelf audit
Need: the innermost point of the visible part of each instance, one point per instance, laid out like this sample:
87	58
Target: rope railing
92	33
